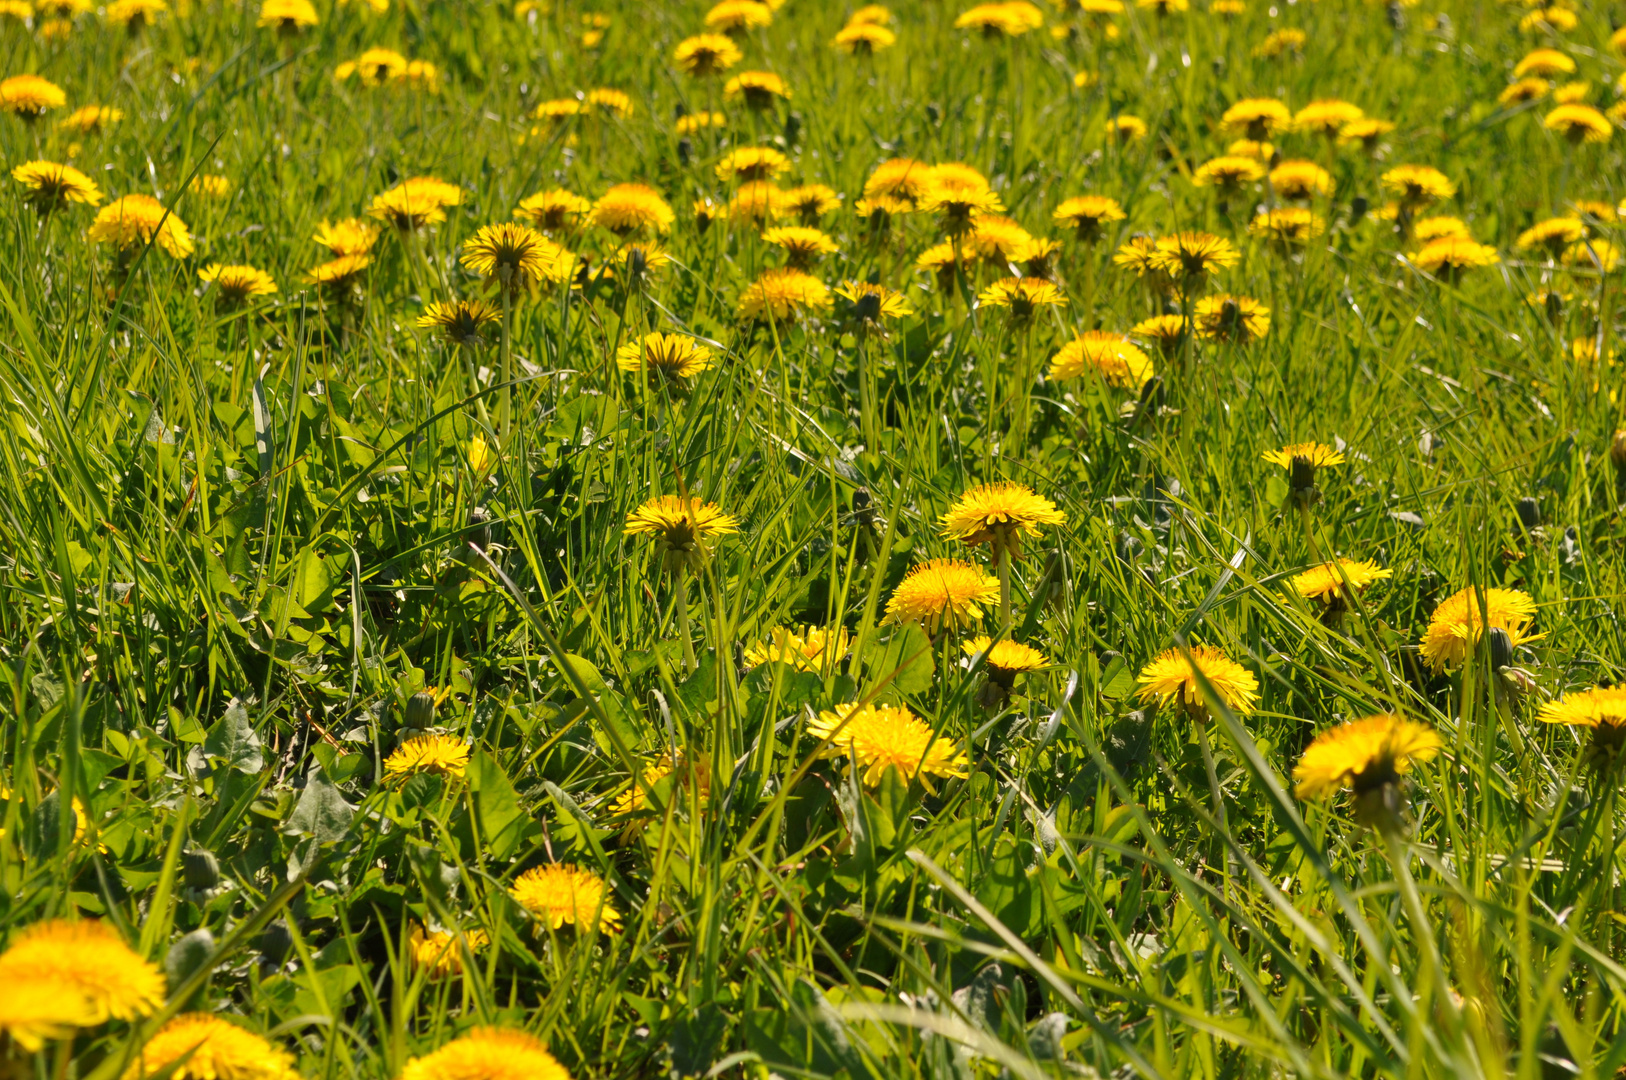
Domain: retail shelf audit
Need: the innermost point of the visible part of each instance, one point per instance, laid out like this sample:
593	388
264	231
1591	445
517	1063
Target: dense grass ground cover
247	551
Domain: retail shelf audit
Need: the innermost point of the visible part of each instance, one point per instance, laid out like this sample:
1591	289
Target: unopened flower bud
200	870
1501	649
420	710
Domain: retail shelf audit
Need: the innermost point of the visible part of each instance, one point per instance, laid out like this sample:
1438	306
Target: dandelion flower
1287	227
444	755
439	953
752	163
668	359
1370	756
375	67
998	240
515	255
1602	709
1298	180
557	894
287	17
1022	297
1228	173
700	121
1523	90
1450	256
205	1046
1189	258
1111	356
1011	19
487	1053
1572	93
1326	117
50	186
1544	63
553	211
943	594
1599	256
758	89
738	16
707	54
90	119
608	100
1006	659
461	322
782	295
882	737
1458	623
999	515
352	236
958	193
1281	43
1125	128
1166	332
1553	235
413	204
802	245
338	274
1319	455
1579	124
811	648
1257	118
871	304
682	527
1086	214
131	222
1417	185
945	263
864	39
237	284
1432	228
1331	583
87	968
632	208
897	186
870	15
33	1012
1366	134
28	97
810	202
1172	677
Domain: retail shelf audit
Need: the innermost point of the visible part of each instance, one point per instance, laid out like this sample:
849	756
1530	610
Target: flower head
1438	225
1366	134
1009	19
632	208
809	648
882	737
1257	118
415	203
1417	185
737	16
1167	332
689	123
1579	123
897	186
756	203
1190	257
998	240
1288	40
999	515
444	755
871	304
204	1046
460	322
1602	709
1125	128
682	526
440	953
90	119
1522	90
1005	660
1085	214
670	359
782	295
237	284
1288	226
1228	173
487	1053
864	39
752	163
287	17
553	211
1545	63
803	246
1450	256
375	67
810	202
1317	455
1173	677
942	594
130	222
1331	583
51	187
1235	320
1022	297
1458	623
958	193
1371	756
1553	234
1111	356
85	968
352	236
338	274
516	256
31	1013
608	101
707	54
29	96
1298	180
1326	117
758	89
557	894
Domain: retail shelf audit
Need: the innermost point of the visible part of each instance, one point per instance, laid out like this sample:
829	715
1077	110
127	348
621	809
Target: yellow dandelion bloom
756	203
864	39
896	186
557	894
882	737
516	256
1364	754
93	975
1331	582
943	594
1228	173
1522	90
738	16
36	1011
1257	118
287	17
1298	180
1234	320
809	648
131	222
1111	356
204	1046
707	54
488	1053
1449	256
872	303
802	245
1190	257
1432	228
338	274
958	193
1166	332
50	186
783	294
1011	19
632	208
29	96
1281	43
752	163
1327	117
90	119
1545	63
683	528
1458	623
440	953
1288	226
1125	128
444	755
1086	214
1006	659
670	359
1172	677
758	89
690	123
239	283
351	236
999	515
810	202
1417	185
375	67
553	211
1318	455
1022	298
1553	234
1579	124
460	322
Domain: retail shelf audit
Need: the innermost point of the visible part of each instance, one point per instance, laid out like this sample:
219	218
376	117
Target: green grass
273	507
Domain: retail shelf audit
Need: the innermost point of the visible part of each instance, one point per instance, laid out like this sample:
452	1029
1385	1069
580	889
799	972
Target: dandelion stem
684	632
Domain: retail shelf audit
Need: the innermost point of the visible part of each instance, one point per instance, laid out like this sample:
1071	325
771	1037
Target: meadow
581	538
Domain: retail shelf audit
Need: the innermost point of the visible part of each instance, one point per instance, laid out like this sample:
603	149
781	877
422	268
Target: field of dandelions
593	539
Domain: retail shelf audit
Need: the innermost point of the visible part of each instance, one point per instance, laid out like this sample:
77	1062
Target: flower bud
420	710
1501	649
200	870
